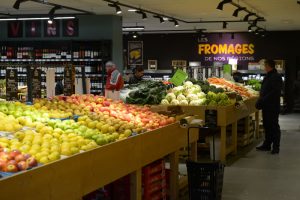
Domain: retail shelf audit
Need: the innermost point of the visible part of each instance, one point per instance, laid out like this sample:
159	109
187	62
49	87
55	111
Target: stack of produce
30	129
145	92
14	161
255	84
188	94
231	86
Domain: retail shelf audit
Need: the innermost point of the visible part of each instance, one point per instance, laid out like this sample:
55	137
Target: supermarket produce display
47	131
145	92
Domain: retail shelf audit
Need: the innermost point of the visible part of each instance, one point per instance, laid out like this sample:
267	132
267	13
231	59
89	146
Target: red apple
10	168
11	162
20	157
31	162
14	153
2	165
26	156
22	165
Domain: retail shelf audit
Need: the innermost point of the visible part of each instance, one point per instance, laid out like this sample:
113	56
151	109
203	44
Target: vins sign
33	28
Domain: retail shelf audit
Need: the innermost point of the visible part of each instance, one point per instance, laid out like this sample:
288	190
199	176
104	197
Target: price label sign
179	77
69	80
11	84
36	83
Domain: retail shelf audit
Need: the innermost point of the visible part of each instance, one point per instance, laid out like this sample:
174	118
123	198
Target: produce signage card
69	80
11	84
179	77
36	83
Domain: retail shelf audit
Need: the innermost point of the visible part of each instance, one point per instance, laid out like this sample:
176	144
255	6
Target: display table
78	175
226	115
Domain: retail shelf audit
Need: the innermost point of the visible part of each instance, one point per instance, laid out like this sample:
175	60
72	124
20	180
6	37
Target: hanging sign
33	28
51	30
14	29
70	27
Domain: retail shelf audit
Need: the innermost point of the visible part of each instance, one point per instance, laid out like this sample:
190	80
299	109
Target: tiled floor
262	176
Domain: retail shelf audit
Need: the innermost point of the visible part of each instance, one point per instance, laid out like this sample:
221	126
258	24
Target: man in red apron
114	81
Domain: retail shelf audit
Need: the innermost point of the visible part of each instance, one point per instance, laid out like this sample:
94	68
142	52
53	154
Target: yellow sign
233	49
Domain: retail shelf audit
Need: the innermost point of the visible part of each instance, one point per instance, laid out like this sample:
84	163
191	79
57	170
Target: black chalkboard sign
69	80
211	118
36	83
11	84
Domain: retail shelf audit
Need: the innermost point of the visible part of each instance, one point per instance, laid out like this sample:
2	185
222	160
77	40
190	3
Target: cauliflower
181	97
170	97
197	88
195	102
183	102
201	95
191	97
178	90
164	102
174	102
188	84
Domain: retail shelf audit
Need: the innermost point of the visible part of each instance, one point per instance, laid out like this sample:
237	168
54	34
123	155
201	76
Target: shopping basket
205	180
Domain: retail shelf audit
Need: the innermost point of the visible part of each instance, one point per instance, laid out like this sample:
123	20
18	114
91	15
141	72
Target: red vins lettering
15	28
70	28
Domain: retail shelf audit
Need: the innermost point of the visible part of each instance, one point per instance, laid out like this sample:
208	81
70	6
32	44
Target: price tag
179	77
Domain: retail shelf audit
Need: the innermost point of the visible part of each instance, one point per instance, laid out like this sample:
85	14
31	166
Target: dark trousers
272	128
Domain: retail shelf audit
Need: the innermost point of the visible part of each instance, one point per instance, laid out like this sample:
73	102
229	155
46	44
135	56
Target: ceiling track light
236	12
18	3
298	2
221	4
117	7
51	13
144	15
225	25
175	22
250	28
246	18
161	19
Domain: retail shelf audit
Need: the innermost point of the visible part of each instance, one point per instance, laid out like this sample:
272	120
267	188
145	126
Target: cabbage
212	103
181	97
223	96
224	102
201	95
188	84
174	102
191	97
164	102
211	96
170	97
178	90
183	102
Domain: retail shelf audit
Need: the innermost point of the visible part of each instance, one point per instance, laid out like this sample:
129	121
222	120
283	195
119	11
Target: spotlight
118	9
18	3
134	35
250	28
232	36
175	22
236	12
221	4
144	15
259	30
160	18
246	18
225	25
51	13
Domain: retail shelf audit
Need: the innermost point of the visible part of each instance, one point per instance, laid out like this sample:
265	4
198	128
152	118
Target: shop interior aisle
261	176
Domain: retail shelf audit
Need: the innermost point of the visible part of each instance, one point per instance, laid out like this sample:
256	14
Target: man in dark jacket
269	103
138	73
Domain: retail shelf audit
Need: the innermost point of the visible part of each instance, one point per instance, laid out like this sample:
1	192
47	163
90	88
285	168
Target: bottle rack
87	57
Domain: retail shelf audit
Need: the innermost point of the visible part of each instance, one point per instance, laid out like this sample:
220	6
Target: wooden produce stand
226	115
78	175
